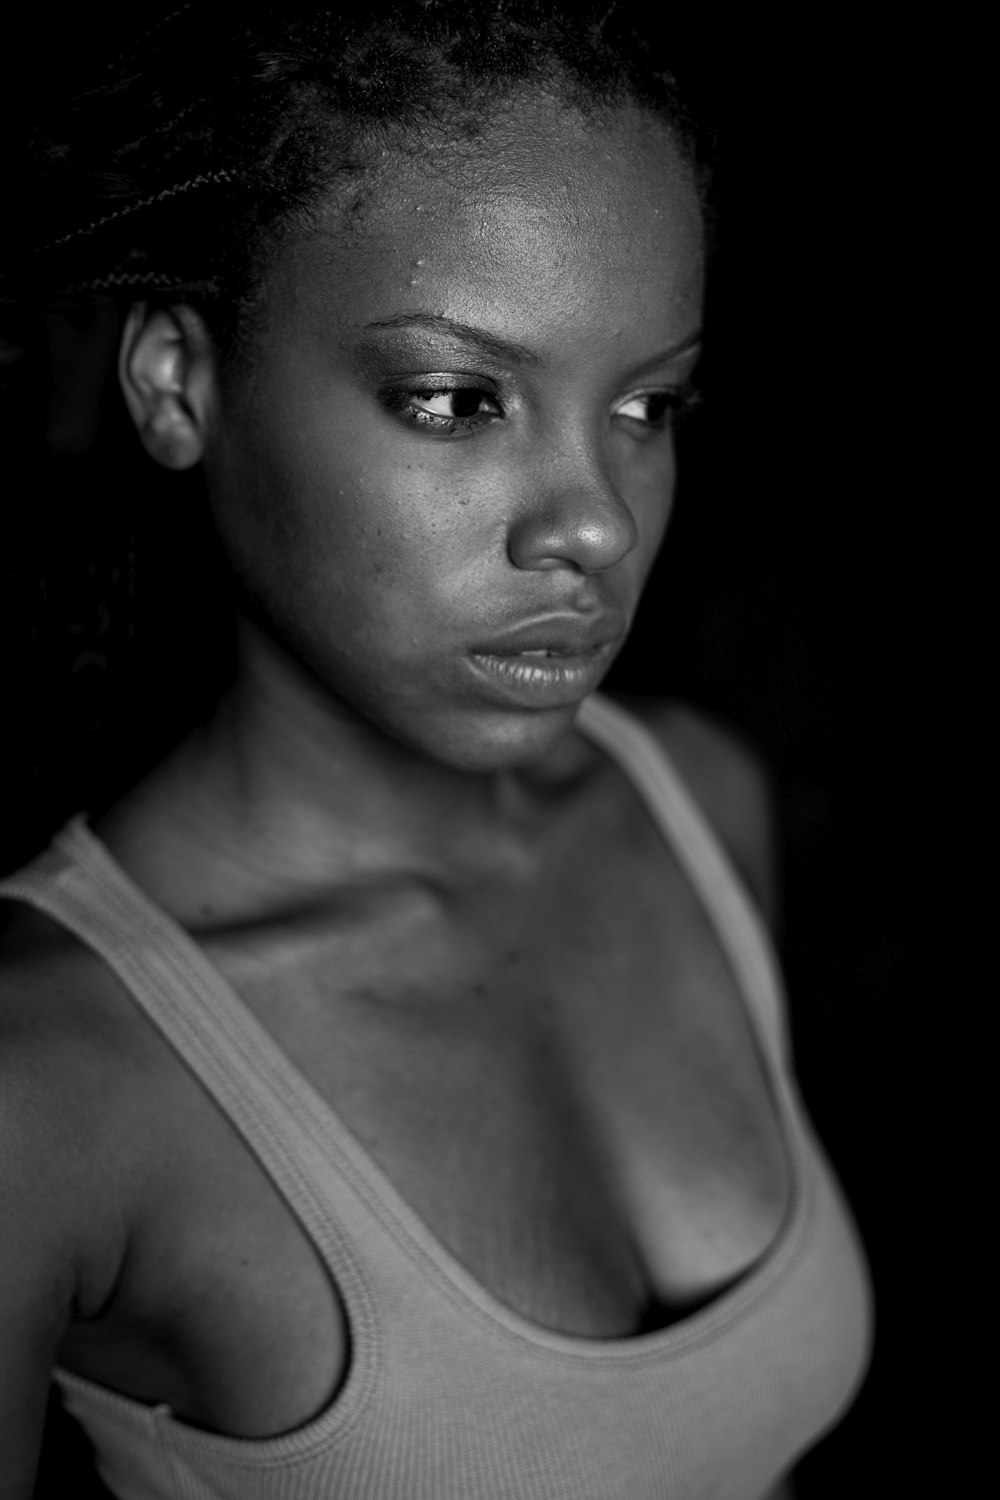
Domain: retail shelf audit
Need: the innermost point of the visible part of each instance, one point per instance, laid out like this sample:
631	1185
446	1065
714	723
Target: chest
557	1073
557	1076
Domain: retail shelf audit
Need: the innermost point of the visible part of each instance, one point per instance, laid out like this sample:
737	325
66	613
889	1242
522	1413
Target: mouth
553	673
558	637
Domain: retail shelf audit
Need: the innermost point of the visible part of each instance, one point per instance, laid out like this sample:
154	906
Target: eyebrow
488	342
506	349
689	342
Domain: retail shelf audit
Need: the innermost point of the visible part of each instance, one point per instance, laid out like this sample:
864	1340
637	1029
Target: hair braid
203	179
167	125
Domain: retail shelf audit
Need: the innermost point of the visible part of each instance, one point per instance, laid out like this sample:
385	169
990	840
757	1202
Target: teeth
543	652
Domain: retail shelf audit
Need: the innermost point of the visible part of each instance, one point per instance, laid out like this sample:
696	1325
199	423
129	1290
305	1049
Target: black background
787	602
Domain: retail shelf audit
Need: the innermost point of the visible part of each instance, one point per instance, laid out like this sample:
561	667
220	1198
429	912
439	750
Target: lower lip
542	681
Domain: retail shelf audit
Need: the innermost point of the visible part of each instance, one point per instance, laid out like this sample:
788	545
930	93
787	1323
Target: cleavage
574	1177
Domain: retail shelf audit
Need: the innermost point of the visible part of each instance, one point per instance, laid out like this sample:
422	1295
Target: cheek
326	523
284	491
645	476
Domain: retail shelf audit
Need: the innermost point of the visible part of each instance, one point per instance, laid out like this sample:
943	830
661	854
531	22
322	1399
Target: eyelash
678	400
401	402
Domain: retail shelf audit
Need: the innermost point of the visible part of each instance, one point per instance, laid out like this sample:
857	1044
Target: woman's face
449	472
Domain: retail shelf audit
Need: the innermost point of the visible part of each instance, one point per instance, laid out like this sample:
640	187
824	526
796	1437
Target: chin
486	743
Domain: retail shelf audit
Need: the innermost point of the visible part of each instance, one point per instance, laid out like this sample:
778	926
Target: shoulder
54	1202
730	783
60	1101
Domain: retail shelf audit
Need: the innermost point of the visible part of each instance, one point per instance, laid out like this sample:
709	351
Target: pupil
656	407
465	403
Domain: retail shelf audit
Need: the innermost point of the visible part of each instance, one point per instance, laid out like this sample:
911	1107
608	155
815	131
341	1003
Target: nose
578	520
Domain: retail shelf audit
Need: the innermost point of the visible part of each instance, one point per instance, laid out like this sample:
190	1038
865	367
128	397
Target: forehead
546	217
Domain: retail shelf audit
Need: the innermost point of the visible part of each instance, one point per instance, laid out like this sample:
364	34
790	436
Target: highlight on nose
591	534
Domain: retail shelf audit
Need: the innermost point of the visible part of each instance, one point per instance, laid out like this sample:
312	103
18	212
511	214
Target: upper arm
60	1229
37	1279
728	780
64	1211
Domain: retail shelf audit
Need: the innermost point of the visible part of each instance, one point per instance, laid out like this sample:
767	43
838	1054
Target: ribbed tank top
450	1394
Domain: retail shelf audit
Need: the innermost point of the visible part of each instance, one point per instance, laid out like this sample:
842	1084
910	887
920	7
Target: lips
548	663
557	636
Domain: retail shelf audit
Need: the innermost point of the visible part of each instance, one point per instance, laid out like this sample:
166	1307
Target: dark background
787	602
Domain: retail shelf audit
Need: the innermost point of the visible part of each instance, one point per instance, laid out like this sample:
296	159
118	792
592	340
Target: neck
286	789
295	751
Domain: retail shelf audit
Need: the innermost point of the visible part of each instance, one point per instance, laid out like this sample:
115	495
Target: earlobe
166	371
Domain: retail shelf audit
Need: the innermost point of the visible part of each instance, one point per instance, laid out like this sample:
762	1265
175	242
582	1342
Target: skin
362	806
557	503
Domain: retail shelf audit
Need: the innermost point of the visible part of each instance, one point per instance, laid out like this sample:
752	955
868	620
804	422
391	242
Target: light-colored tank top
450	1394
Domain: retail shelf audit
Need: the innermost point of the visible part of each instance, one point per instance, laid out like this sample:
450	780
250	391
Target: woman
398	1099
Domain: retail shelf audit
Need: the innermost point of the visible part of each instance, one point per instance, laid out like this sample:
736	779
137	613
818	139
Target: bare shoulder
730	783
58	1231
61	1071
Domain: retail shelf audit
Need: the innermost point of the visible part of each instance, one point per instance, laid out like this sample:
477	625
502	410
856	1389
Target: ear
167	371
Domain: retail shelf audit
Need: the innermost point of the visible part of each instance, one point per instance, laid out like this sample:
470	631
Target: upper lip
566	635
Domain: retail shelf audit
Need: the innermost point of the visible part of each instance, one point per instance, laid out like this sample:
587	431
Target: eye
456	405
657	409
446	409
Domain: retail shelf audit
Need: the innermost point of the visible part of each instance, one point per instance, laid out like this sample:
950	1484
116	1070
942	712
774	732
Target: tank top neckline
643	760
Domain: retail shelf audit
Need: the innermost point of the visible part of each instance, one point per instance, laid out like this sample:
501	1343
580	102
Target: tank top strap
738	927
298	1141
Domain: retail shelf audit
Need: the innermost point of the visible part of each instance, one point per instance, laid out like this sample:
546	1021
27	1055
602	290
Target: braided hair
179	169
